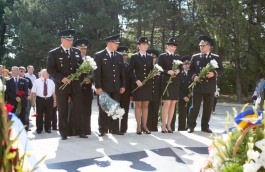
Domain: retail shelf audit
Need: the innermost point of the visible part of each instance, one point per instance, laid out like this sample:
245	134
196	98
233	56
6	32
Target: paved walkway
179	151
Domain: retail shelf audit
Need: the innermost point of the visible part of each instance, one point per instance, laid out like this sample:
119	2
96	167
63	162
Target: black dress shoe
54	129
48	131
164	131
117	133
83	136
169	131
139	132
146	131
207	130
190	130
63	137
102	134
38	132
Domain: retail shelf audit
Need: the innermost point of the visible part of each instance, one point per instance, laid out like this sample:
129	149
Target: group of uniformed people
118	78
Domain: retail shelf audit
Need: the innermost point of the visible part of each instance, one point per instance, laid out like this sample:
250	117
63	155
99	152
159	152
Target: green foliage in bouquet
238	149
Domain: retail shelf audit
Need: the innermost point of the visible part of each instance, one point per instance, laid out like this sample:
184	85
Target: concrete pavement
179	151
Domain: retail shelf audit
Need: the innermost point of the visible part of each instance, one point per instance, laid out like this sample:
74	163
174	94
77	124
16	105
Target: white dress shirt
38	87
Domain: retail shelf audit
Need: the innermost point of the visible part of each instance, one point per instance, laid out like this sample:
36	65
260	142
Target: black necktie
45	89
111	54
67	52
144	57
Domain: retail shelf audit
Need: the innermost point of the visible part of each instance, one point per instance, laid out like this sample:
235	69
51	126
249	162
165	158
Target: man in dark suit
87	93
109	77
184	98
154	104
125	97
13	85
205	88
62	62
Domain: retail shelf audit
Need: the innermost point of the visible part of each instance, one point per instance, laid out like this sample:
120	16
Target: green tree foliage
234	25
31	27
34	24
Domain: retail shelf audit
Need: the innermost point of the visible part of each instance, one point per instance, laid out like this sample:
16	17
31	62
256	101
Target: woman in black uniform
170	97
140	65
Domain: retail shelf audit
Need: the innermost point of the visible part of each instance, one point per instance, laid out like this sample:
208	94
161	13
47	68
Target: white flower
214	63
261	145
92	62
253	155
261	159
251	167
177	62
159	68
120	111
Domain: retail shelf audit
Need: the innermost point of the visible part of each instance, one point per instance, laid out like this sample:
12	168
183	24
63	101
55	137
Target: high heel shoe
169	130
146	131
163	130
139	132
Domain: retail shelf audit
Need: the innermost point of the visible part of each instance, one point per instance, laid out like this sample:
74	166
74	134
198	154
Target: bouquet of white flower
88	65
175	66
210	67
152	73
240	148
110	106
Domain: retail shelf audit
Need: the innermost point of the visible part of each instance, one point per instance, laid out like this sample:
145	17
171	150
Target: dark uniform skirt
143	93
172	92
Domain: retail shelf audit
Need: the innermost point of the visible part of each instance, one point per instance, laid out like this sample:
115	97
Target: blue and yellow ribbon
248	117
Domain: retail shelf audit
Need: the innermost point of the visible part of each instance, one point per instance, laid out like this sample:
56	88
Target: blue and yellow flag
248	117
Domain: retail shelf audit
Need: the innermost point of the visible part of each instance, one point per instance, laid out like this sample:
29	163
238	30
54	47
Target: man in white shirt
32	77
30	73
43	91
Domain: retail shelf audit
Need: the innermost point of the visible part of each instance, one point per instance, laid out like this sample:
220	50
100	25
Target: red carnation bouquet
18	109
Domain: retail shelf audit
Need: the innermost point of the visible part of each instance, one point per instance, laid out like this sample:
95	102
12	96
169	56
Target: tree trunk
152	33
238	80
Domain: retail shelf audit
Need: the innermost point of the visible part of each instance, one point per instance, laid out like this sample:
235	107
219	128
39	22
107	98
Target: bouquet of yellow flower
152	73
175	66
210	67
240	148
88	65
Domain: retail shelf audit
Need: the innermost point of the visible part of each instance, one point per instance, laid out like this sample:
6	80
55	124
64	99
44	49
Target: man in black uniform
154	104
87	93
204	90
184	98
109	77
63	61
125	97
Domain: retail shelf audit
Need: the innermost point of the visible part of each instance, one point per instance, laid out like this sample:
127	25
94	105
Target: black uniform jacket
207	85
185	81
60	65
110	72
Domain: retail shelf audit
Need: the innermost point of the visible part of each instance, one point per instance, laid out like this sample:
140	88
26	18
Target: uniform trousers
86	117
44	106
125	103
105	122
54	117
153	111
197	98
75	115
183	109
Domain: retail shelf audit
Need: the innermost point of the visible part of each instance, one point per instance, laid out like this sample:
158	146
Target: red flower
20	93
35	115
13	149
9	107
